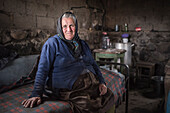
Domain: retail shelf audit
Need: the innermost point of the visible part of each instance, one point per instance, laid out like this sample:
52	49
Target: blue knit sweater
59	69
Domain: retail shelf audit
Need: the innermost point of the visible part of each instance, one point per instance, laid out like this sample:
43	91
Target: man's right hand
31	102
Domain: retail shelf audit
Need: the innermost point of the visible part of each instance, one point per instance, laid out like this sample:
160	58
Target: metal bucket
128	54
158	85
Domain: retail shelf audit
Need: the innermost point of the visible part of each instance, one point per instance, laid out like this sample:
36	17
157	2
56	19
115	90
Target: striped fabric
10	102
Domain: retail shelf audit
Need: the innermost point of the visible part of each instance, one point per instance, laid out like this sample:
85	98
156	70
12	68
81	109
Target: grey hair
68	15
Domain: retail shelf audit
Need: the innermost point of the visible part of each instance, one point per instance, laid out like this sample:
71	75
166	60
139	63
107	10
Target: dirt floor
143	101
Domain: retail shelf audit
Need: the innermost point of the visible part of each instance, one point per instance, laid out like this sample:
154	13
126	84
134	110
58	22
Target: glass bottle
105	41
126	27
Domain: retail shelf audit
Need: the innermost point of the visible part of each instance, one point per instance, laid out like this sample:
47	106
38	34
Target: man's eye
64	26
72	25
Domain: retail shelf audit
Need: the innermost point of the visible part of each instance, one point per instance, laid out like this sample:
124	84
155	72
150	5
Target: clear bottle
117	28
108	42
105	41
126	27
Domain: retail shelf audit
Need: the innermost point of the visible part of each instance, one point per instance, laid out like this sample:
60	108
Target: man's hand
102	89
31	102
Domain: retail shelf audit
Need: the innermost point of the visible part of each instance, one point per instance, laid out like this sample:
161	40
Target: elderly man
67	71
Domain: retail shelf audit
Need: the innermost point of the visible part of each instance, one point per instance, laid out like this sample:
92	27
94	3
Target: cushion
17	72
33	72
6	56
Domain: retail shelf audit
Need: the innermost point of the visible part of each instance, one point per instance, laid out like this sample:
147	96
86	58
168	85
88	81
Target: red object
138	28
104	33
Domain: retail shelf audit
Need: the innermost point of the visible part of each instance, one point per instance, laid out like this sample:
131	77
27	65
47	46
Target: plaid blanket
10	102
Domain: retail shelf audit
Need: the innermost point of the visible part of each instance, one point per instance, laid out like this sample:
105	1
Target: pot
128	54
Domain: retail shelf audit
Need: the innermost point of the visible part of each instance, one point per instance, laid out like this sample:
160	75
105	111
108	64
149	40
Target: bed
10	100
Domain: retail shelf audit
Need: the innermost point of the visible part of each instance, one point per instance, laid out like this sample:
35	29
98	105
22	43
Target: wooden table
113	54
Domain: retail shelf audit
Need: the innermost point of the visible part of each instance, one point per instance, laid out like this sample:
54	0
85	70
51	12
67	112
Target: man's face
68	28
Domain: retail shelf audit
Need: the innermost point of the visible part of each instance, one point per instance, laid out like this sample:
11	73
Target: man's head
68	24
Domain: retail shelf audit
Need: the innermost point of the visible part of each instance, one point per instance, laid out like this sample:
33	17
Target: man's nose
69	28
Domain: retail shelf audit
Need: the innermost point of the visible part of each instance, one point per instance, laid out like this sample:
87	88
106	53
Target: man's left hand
102	89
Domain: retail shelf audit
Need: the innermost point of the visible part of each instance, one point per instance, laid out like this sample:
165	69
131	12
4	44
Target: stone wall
26	24
148	46
152	43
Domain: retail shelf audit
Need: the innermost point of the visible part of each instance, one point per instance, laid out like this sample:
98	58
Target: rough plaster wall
30	14
42	14
147	14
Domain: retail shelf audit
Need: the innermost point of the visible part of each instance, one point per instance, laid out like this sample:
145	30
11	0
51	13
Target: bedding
10	101
20	67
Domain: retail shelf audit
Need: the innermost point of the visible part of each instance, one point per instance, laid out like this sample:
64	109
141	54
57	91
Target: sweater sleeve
96	67
45	63
98	72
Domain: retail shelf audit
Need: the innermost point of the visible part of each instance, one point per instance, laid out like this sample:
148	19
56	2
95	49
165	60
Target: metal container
158	85
128	53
